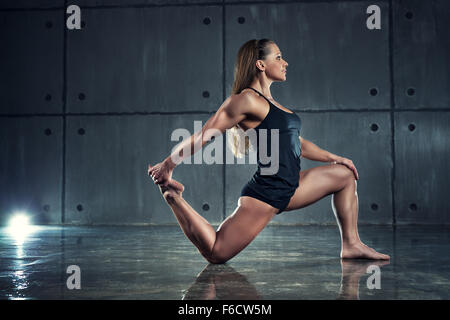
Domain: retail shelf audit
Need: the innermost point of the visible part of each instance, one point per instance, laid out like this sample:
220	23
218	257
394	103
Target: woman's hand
348	163
161	173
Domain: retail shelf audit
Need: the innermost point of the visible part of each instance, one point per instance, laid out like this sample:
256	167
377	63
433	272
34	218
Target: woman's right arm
233	110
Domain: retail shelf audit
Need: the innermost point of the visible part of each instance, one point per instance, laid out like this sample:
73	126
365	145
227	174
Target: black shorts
268	196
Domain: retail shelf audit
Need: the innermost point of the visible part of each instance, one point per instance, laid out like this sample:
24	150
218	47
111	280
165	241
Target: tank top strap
260	94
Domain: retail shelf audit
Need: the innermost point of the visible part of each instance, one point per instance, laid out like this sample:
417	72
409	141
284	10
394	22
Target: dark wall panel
19	4
422	180
32	61
335	62
422	54
107	159
92	3
31	168
146	62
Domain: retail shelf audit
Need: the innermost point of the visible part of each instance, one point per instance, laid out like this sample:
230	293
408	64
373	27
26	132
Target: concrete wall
83	112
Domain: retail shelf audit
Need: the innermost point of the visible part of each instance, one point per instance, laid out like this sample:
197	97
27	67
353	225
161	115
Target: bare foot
355	267
173	190
361	251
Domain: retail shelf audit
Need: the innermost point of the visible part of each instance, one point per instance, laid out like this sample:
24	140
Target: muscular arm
233	110
312	152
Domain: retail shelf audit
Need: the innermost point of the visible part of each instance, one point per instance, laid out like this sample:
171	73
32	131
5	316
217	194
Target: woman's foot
355	267
173	190
361	251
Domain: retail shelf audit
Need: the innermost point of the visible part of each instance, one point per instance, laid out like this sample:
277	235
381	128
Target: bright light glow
19	221
19	227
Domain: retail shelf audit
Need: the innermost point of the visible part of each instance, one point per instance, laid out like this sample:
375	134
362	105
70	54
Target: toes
381	256
377	254
363	252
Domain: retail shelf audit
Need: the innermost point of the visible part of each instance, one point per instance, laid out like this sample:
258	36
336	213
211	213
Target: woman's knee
239	229
215	258
214	255
340	176
343	172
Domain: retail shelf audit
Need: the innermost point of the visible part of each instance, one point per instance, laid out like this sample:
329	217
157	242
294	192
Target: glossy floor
283	262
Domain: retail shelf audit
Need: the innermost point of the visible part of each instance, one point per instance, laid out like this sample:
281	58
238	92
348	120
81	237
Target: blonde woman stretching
251	106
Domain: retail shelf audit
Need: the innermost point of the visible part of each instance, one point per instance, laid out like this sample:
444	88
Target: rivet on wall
46	208
48	97
413	207
81	131
79	207
205	207
409	15
205	94
374	127
373	91
207	20
410	92
48	132
81	96
241	20
411	127
374	206
49	24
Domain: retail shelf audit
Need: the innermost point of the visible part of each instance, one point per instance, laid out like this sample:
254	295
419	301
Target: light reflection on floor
283	262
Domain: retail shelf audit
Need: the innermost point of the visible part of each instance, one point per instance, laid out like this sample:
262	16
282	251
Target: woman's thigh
241	227
316	183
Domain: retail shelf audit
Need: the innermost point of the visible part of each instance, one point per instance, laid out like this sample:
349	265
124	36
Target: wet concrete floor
283	262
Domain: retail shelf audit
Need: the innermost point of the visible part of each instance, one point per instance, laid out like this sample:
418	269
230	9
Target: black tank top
289	125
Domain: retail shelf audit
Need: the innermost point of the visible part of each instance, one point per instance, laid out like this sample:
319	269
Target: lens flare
19	227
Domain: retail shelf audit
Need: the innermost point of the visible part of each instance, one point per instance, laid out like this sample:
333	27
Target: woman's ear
260	65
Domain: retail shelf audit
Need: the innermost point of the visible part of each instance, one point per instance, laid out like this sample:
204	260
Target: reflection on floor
283	262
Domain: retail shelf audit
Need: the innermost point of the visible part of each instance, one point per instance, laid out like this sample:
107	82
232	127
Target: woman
251	106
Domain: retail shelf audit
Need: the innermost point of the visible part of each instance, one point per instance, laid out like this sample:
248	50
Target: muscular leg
345	207
233	234
318	182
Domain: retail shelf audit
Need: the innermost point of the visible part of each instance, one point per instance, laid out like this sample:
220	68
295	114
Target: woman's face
275	65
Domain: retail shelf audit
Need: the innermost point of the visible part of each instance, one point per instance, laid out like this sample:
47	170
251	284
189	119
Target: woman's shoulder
247	93
246	99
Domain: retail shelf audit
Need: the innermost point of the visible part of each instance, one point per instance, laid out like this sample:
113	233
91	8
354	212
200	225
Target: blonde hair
245	71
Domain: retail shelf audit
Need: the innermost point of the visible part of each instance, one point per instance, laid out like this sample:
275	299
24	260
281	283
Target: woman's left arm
313	152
